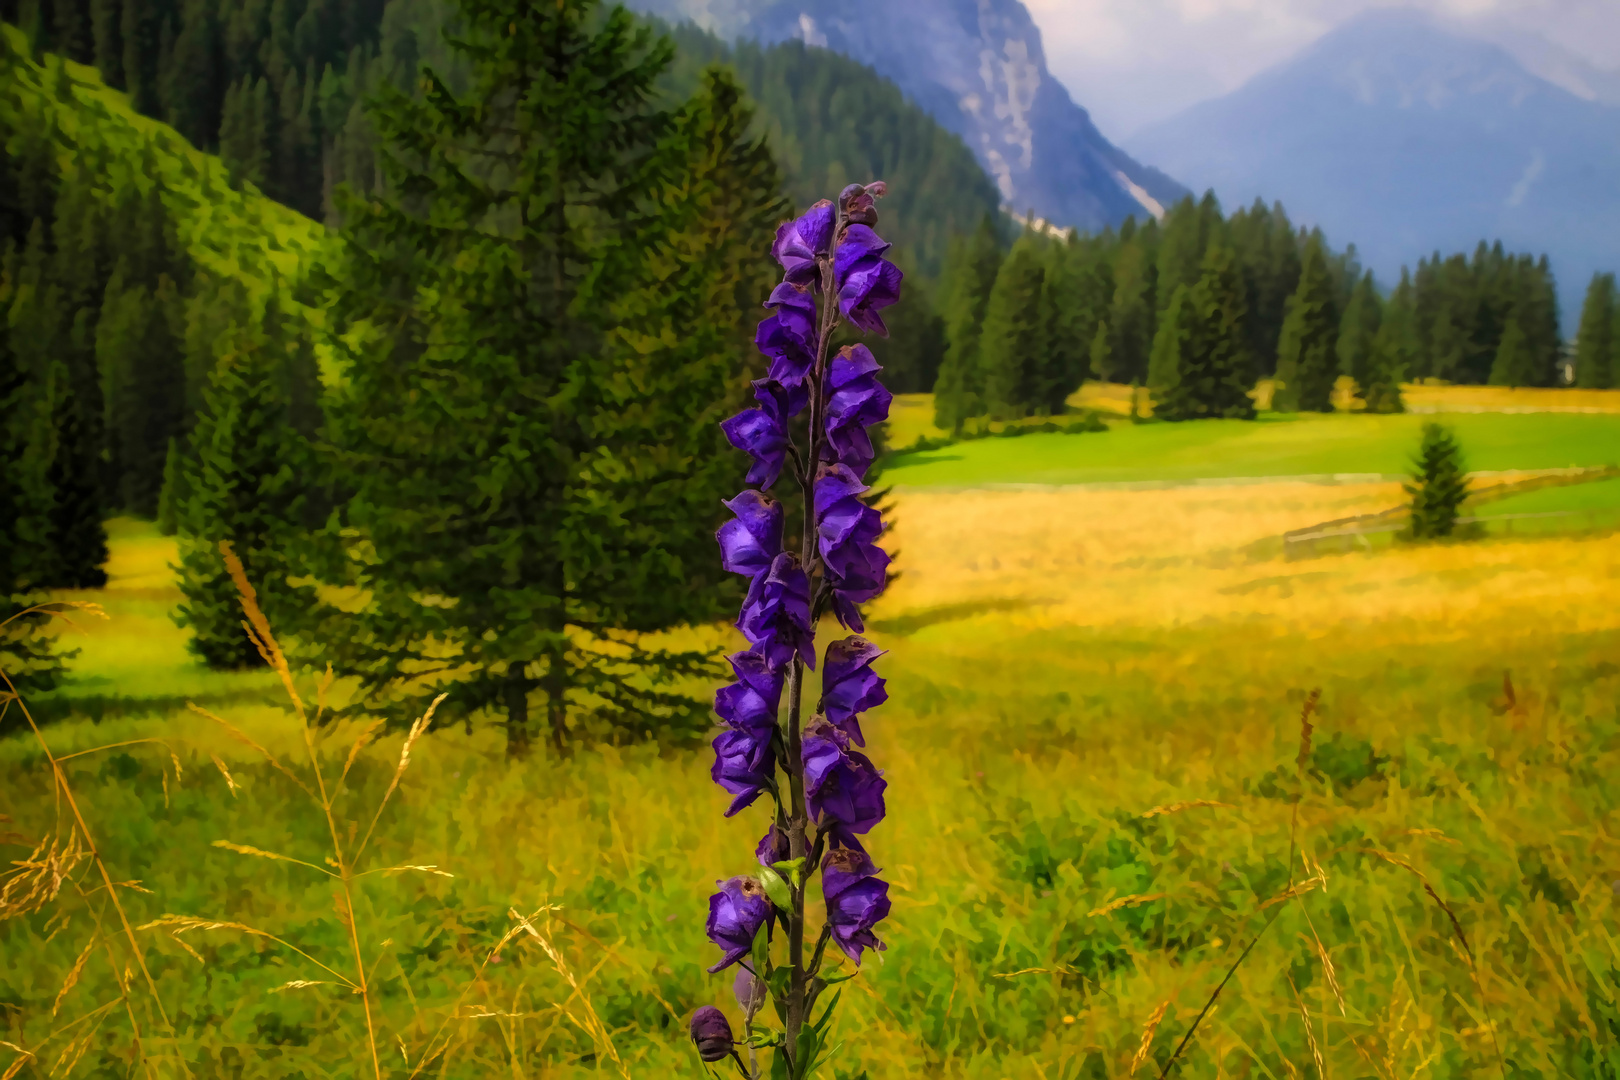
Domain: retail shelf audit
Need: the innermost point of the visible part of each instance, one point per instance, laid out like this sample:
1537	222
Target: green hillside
230	233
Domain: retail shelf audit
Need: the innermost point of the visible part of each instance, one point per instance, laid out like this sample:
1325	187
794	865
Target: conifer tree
1131	315
1515	364
1014	346
1063	320
171	500
1170	379
140	355
1101	360
77	545
1596	346
1358	334
970	275
1307	364
529	482
245	485
1222	372
1439	484
1394	351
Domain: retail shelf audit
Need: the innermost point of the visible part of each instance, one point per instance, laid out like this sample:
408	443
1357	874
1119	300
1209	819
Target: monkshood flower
752	539
762	433
752	701
773	847
800	242
711	1031
849	686
846	531
867	282
743	764
856	900
788	337
857	401
776	614
736	913
842	788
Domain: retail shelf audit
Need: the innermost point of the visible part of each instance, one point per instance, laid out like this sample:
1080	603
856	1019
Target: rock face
1402	136
978	68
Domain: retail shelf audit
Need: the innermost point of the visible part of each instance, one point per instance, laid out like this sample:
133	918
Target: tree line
1199	307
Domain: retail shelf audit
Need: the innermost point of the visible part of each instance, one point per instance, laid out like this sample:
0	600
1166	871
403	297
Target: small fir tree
1221	373
171	499
1439	484
1394	351
1101	358
970	275
1596	346
246	486
1515	364
1014	347
1358	335
1307	361
1169	377
78	533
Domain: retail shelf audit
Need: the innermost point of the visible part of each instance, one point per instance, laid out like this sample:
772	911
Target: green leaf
826	1015
776	888
792	869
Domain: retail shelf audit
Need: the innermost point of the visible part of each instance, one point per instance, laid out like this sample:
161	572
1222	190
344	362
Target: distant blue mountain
978	68
1403	137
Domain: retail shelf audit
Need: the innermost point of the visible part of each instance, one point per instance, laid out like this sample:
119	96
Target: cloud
1132	62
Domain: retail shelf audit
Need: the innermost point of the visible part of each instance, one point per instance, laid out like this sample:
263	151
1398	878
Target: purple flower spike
763	437
849	686
867	281
753	538
711	1032
736	913
801	241
773	847
753	700
857	402
846	529
841	785
856	900
742	765
776	614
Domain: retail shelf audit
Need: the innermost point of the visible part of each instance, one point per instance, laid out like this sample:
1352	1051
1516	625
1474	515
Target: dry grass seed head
23	1058
1125	901
230	781
35	881
1310	1032
1148	1030
1176	808
73	974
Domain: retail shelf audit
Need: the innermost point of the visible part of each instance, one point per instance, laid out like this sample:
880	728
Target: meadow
1101	795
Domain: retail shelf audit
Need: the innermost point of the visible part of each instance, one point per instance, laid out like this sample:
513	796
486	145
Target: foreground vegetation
1062	665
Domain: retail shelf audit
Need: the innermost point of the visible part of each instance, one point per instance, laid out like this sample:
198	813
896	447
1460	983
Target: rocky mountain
977	67
1404	136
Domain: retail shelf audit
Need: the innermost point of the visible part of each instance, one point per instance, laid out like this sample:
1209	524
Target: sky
1133	62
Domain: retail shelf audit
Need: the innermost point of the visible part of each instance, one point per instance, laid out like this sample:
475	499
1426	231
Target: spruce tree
1596	345
1101	359
1307	362
1515	364
78	534
1221	372
1131	315
533	486
171	500
1439	484
1063	318
245	485
1014	346
1170	378
1394	351
970	274
1358	334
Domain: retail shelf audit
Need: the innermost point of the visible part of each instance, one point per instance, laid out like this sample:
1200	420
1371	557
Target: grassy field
1094	749
1272	446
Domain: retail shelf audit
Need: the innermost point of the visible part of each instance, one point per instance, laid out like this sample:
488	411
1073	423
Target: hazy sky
1132	62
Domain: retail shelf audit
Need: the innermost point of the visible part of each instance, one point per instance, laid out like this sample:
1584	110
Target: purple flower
801	241
857	402
773	847
856	900
736	913
776	614
752	701
762	432
711	1032
842	787
788	337
849	686
743	764
857	202
750	990
846	529
753	538
867	281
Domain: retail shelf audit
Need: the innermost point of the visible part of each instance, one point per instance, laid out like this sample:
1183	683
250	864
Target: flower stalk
814	410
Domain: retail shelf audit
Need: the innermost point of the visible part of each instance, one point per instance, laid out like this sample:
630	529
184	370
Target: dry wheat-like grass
1124	902
1176	808
1148	1030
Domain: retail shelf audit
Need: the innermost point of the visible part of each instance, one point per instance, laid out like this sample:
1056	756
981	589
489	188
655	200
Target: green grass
1593	496
1271	446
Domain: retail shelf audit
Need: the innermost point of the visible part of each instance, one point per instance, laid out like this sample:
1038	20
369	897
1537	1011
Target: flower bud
711	1033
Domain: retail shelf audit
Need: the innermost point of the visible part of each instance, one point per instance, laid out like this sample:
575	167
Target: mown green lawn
1270	446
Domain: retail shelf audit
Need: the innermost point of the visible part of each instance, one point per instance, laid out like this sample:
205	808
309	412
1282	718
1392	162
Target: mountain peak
977	66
